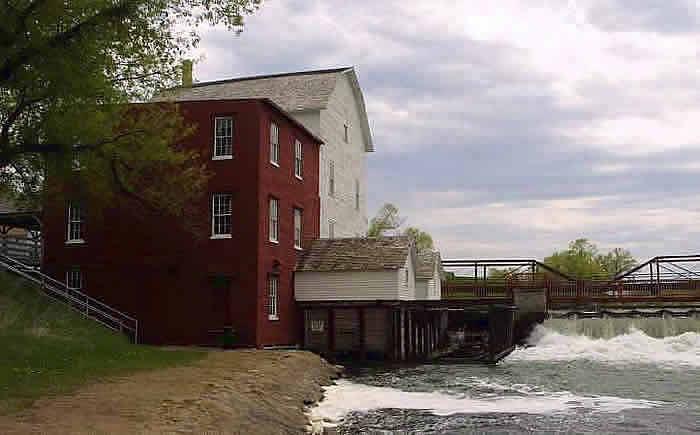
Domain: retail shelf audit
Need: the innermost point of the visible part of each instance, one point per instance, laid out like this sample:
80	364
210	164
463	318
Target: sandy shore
237	392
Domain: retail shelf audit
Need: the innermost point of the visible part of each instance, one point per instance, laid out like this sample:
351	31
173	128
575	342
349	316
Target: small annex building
428	275
359	299
357	269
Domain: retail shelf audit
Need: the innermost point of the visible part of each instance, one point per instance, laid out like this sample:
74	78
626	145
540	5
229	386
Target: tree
68	70
616	261
386	220
423	240
583	260
578	260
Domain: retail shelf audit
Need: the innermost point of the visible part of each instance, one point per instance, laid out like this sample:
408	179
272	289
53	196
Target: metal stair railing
75	299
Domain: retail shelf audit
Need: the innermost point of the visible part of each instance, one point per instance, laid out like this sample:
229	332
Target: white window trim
68	278
301	228
273	309
223	156
273	162
69	240
273	236
299	175
215	236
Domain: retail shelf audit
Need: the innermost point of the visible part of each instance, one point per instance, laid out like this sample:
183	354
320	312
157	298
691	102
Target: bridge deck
668	279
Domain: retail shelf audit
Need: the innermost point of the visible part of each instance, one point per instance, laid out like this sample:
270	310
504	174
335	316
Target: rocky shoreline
236	392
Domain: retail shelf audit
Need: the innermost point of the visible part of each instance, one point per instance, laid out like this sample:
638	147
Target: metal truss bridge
671	279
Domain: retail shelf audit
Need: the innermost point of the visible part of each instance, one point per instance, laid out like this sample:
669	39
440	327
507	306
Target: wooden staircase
75	299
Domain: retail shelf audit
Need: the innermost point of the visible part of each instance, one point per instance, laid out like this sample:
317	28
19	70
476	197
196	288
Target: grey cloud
662	16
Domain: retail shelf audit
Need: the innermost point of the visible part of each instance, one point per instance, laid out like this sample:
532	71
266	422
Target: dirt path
238	392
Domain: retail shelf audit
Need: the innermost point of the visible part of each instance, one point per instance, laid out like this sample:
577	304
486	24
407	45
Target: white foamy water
346	397
634	347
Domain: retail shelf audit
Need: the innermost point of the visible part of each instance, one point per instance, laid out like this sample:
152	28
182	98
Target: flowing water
592	375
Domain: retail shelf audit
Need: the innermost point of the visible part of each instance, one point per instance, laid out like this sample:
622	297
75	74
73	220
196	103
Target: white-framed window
297	227
331	229
223	137
77	160
273	282
74	278
221	212
76	221
274	144
274	220
298	159
357	194
331	178
346	133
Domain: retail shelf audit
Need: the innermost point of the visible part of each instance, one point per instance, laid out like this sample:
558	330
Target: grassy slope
46	348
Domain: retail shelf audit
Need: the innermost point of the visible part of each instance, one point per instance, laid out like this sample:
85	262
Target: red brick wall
281	257
150	267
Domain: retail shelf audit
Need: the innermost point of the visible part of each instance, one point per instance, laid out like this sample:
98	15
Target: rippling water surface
579	376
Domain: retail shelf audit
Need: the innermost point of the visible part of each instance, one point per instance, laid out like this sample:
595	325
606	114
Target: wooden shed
359	300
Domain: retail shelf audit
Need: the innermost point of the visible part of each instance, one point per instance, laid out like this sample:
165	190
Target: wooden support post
402	334
411	336
363	333
331	331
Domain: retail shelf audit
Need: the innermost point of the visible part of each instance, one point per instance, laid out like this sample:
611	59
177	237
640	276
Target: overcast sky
508	128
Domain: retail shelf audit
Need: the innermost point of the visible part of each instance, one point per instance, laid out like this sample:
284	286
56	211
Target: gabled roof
293	92
425	264
355	254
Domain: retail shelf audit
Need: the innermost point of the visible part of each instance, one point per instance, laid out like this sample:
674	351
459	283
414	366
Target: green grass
47	348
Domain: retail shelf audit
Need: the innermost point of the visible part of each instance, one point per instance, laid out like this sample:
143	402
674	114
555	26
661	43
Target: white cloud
529	122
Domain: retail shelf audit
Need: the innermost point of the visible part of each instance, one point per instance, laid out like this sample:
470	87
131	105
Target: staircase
75	299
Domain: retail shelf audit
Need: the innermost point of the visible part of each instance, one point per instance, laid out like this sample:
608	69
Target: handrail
75	299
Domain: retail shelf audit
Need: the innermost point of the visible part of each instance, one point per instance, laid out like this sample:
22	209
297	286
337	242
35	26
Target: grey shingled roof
305	90
425	263
355	254
293	92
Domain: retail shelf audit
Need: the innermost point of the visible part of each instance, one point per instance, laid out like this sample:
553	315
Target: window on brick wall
274	144
297	228
274	214
331	178
74	278
76	222
223	138
298	159
221	212
357	194
331	229
273	282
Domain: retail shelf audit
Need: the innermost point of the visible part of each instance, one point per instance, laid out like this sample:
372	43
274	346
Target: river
593	375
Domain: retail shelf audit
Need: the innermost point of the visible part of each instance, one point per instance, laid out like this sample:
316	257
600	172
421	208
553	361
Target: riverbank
237	392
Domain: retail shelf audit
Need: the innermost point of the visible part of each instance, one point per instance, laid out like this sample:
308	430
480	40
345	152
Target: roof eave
364	121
